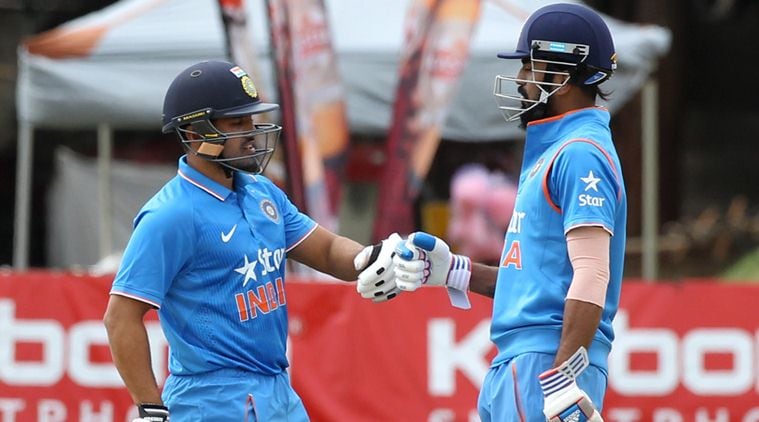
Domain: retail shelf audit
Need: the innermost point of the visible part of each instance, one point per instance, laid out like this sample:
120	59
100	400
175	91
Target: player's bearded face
240	149
531	91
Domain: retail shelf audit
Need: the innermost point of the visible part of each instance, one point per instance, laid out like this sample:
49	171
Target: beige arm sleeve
588	249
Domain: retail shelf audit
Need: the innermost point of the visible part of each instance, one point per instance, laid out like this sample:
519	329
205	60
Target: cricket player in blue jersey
208	252
557	287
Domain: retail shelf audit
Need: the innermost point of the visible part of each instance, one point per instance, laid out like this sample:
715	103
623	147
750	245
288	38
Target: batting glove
152	413
377	279
563	400
426	259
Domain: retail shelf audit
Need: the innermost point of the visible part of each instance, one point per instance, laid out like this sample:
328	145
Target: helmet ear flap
206	130
201	130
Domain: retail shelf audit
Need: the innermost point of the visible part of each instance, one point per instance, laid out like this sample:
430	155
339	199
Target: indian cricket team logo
249	87
270	210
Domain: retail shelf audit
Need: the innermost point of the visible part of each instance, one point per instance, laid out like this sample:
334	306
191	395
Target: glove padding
152	413
426	259
563	399
377	278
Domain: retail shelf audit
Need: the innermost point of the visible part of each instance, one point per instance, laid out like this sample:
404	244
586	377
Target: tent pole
650	180
105	148
23	196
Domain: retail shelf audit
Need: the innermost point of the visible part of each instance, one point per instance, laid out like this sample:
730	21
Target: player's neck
572	100
211	170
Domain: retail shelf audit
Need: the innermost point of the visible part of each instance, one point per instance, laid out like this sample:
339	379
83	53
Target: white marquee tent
109	70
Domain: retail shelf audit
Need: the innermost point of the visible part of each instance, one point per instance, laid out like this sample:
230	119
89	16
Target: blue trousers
232	395
511	391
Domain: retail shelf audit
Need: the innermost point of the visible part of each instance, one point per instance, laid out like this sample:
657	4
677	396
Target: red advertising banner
436	49
313	105
411	359
240	46
684	352
320	109
55	364
281	45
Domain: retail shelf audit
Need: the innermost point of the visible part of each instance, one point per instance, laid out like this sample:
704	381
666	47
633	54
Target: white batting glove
426	259
563	399
377	279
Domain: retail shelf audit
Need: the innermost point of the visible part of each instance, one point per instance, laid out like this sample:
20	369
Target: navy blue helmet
559	39
212	90
570	32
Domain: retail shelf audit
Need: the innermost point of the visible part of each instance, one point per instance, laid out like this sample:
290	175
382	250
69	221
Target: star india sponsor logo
269	261
267	293
591	183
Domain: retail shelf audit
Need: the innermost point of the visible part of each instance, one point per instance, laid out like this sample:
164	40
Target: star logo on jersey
591	181
248	270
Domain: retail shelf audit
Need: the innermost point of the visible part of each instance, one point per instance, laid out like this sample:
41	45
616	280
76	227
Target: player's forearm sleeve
588	249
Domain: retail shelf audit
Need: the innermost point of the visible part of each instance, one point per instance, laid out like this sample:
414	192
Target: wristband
457	283
153	412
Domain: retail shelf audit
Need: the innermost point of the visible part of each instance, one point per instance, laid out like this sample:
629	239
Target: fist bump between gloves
377	278
426	259
394	265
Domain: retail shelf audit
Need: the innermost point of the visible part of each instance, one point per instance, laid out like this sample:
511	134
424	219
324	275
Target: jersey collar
201	181
553	128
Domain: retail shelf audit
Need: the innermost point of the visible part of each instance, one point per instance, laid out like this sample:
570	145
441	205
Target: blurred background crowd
707	190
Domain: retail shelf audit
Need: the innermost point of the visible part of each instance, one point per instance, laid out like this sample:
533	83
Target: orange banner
320	109
240	46
438	34
281	43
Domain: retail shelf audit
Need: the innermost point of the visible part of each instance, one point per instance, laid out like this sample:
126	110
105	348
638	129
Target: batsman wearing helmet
556	289
208	252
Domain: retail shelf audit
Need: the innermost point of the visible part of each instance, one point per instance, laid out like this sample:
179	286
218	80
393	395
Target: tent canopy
110	69
114	65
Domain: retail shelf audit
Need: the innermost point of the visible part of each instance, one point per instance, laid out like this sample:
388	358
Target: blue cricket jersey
570	177
212	261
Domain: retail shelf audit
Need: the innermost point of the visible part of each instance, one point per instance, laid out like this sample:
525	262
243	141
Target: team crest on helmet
270	210
249	87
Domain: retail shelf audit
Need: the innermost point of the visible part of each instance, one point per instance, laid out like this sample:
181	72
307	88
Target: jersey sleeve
585	185
160	246
297	224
